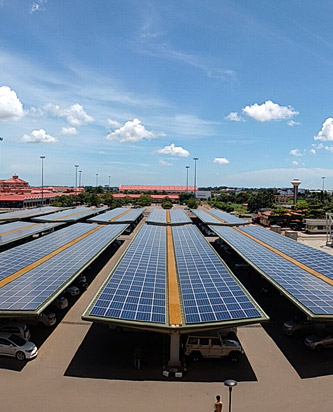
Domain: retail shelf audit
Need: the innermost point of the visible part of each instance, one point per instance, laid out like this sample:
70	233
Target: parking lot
84	367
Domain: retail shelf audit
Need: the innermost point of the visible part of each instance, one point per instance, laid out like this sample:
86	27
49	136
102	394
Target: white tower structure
295	183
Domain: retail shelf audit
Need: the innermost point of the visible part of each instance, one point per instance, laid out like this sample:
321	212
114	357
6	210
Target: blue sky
135	89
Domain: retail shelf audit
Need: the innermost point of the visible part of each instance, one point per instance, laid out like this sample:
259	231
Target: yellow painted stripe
223	221
117	217
168	216
174	304
290	259
38	262
19	228
71	214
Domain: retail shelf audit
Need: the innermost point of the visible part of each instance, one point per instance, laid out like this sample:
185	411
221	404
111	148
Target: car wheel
234	357
319	348
20	356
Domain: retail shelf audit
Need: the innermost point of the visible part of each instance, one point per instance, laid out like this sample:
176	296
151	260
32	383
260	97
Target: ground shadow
107	354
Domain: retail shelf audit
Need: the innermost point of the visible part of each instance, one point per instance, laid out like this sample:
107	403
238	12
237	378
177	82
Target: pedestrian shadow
107	354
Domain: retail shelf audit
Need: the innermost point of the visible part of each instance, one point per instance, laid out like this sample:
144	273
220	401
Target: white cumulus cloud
234	117
75	114
312	151
293	123
296	153
269	111
38	136
10	106
68	131
112	124
132	131
37	6
326	132
174	151
221	160
295	163
164	163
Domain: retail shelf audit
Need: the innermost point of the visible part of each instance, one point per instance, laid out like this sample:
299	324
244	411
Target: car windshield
17	340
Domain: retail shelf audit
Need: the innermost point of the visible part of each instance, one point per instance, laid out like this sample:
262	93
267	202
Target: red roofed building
149	188
156	197
13	184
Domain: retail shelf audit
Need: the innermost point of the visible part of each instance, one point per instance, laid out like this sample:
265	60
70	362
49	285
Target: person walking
218	404
137	357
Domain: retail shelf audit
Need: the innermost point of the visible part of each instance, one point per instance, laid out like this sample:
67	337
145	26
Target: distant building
159	189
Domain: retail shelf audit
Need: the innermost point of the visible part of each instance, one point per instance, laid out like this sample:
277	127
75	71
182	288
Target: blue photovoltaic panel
313	258
177	217
33	289
70	215
130	216
210	293
311	292
136	289
227	217
27	213
10	232
157	216
18	257
205	217
107	216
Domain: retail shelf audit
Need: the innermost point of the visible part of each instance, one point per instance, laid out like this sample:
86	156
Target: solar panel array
227	217
313	258
210	293
205	217
18	257
177	217
10	232
27	213
35	288
313	294
136	289
130	216
107	216
70	215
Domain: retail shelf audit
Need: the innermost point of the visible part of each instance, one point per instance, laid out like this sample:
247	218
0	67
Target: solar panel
205	217
313	258
11	232
210	293
227	217
130	216
136	289
309	292
70	215
34	289
18	257
27	213
177	216
107	216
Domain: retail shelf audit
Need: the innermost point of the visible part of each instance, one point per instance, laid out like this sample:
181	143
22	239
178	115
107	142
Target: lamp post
230	383
42	158
323	182
195	175
187	167
1	140
80	173
109	183
76	166
96	179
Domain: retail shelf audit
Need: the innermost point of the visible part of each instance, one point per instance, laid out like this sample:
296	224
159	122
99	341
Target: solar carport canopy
173	217
217	217
311	294
11	232
70	215
33	274
315	259
118	215
136	293
28	213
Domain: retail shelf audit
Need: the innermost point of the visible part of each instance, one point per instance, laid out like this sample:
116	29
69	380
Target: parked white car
72	290
46	318
61	302
17	347
16	328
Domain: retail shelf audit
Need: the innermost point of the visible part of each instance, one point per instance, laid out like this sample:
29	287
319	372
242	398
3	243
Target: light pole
96	179
80	171
109	183
76	166
1	140
230	383
187	167
42	158
195	175
323	182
